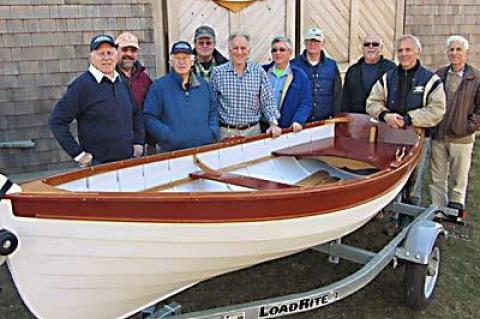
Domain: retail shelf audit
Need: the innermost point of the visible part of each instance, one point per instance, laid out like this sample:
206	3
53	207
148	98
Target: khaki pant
231	132
450	165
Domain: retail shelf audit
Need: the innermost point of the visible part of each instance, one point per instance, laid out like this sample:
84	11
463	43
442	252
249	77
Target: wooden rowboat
108	241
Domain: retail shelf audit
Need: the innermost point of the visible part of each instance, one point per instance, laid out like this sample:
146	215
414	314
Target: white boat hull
87	269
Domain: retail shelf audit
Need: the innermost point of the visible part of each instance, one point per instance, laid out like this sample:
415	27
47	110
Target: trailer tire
421	280
8	242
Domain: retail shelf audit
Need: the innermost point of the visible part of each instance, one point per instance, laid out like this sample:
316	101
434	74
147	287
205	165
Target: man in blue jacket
291	87
180	111
110	126
325	80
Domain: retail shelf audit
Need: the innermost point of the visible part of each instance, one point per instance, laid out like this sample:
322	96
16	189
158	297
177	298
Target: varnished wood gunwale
217	207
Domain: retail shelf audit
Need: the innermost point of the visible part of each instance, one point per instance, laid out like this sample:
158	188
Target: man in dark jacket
454	137
207	57
362	75
110	125
409	95
180	111
135	74
325	80
291	87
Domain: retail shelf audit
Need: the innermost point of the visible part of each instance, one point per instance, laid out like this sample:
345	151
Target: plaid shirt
243	99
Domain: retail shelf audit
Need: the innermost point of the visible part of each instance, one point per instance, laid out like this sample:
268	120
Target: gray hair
457	38
411	37
236	34
283	39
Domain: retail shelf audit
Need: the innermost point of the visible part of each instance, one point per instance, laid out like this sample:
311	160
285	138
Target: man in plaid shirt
243	92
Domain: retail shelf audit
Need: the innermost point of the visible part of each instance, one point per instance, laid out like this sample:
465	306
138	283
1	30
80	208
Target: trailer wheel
8	242
421	280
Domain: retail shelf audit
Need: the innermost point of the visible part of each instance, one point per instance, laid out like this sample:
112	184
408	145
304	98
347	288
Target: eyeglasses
371	44
205	43
106	54
275	50
182	60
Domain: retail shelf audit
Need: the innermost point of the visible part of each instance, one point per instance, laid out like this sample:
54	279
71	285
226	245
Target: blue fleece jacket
179	118
297	104
108	120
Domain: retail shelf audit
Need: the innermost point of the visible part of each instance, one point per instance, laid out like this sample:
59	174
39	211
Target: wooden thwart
241	180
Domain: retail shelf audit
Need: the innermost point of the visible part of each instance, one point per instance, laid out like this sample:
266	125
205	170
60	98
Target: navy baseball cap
181	47
99	39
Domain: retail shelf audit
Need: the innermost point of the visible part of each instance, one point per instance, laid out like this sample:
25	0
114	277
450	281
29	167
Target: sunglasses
275	50
371	44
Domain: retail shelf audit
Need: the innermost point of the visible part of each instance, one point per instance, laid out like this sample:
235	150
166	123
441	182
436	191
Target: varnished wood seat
241	180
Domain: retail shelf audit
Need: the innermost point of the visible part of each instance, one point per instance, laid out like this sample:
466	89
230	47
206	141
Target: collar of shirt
274	70
98	75
459	73
231	68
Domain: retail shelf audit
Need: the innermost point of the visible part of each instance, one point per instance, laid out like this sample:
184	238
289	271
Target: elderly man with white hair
454	137
409	95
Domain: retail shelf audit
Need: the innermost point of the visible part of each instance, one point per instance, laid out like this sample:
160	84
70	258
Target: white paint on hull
86	269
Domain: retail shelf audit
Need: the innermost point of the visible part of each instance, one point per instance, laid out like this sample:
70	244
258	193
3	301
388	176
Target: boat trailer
416	242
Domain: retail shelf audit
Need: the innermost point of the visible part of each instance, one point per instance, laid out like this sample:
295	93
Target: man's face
182	63
104	58
408	54
371	48
314	47
239	50
457	54
280	53
127	56
204	47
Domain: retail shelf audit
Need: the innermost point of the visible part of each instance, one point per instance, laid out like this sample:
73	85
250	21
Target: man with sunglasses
454	137
409	95
109	123
325	80
207	57
362	75
291	87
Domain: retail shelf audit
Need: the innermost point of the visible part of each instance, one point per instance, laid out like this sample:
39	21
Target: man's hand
274	130
394	120
296	127
84	159
137	150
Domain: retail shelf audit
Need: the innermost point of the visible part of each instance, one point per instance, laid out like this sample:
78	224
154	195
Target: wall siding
42	48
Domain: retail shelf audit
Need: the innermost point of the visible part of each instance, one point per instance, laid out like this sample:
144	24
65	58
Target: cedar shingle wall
42	48
434	20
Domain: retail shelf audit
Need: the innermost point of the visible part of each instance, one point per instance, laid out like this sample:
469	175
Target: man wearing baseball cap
135	74
207	57
179	109
110	126
324	76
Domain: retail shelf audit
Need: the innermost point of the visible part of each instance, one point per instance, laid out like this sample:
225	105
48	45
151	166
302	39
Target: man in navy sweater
110	126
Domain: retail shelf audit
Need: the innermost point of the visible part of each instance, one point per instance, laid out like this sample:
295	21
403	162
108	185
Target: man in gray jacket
409	95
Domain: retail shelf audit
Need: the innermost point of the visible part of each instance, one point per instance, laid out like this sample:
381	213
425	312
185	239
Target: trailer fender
420	241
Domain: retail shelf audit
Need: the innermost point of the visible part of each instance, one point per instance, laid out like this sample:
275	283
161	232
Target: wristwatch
274	122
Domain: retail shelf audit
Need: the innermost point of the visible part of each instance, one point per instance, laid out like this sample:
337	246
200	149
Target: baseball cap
181	47
204	31
99	39
314	34
127	39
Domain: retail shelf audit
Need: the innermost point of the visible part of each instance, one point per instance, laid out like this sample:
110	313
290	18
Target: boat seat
379	155
241	180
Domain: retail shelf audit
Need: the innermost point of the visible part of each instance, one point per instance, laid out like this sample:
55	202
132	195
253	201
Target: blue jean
413	189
